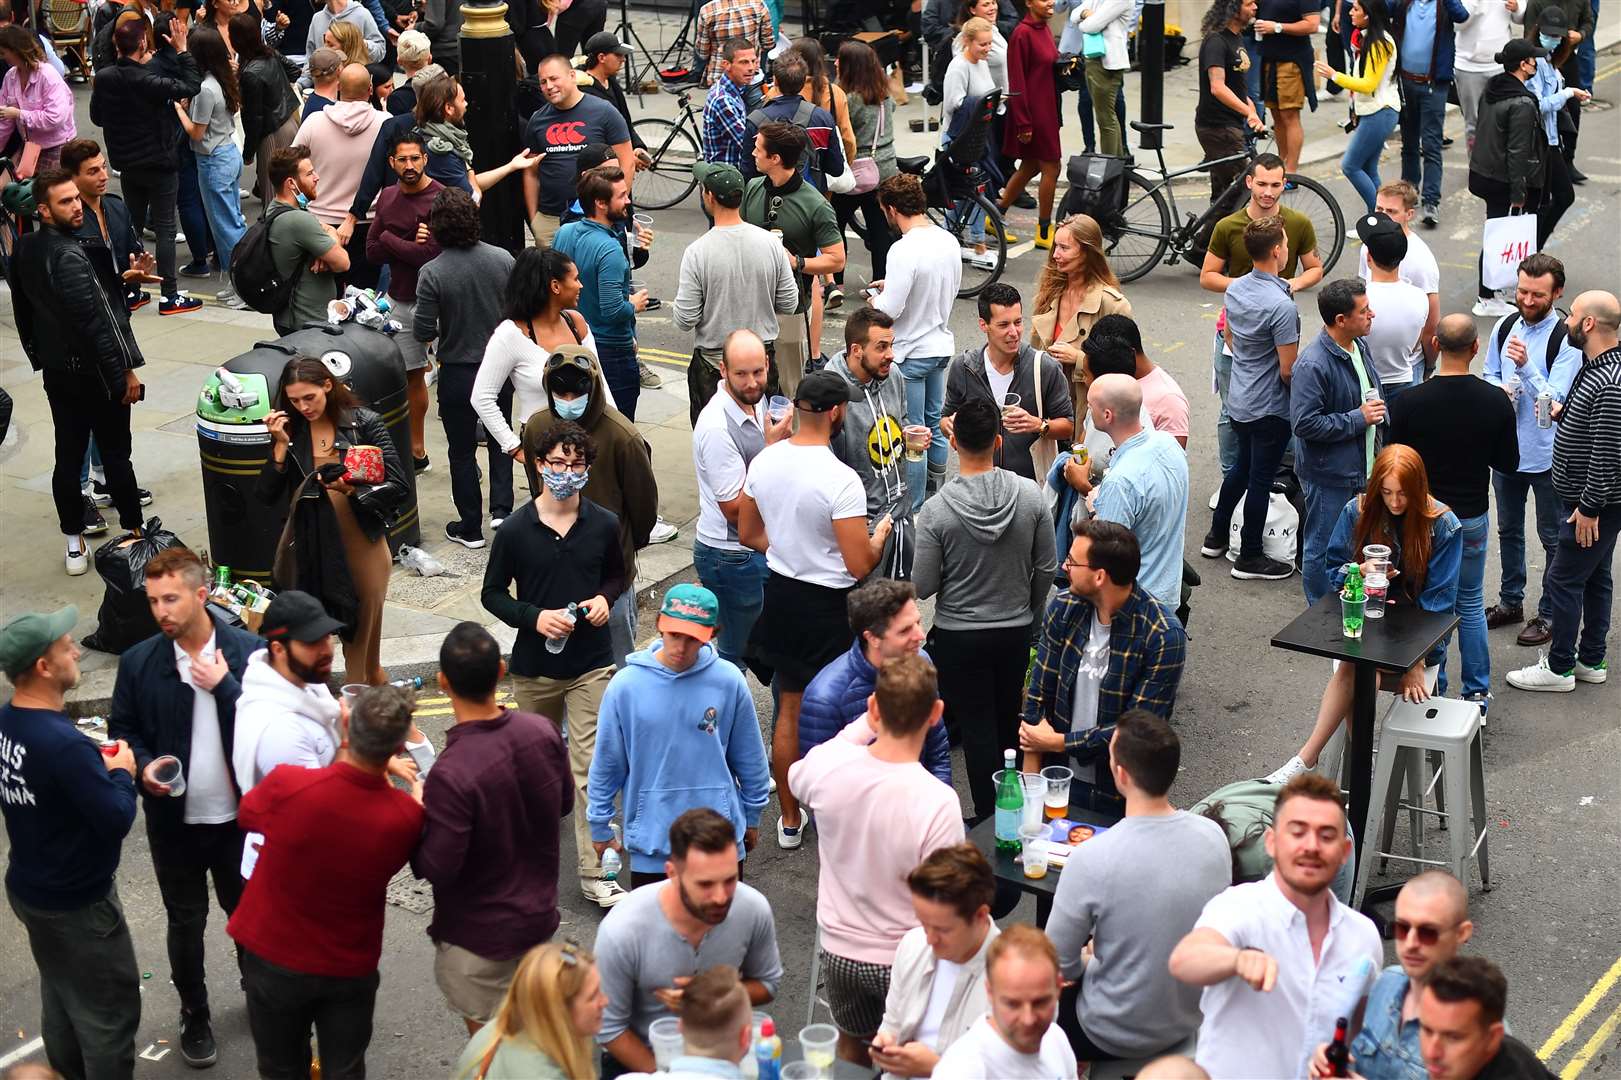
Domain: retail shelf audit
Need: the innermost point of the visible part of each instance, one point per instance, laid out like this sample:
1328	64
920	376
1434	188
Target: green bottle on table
1009	805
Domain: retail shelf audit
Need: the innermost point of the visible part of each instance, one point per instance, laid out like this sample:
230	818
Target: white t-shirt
801	491
945	981
1089	676
920	288
1418	268
983	1053
1400	311
720	463
1000	383
210	798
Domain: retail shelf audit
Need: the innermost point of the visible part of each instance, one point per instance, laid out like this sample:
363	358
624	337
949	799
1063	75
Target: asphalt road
1551	920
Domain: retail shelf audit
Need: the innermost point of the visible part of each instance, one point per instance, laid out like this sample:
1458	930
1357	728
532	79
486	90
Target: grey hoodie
985	544
871	443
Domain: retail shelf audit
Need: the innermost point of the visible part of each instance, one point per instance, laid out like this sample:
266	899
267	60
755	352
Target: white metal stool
815	994
1450	728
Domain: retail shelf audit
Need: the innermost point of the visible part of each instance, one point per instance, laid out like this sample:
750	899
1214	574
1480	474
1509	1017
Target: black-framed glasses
1071	564
1427	934
575	467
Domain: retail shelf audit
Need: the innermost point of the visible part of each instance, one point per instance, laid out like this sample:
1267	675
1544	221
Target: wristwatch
1044	423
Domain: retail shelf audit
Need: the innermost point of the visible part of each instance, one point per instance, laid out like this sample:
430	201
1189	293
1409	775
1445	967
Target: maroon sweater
334	838
392	237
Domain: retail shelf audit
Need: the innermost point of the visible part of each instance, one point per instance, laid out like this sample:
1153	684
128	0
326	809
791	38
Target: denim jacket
1440	577
1325	407
1386	1048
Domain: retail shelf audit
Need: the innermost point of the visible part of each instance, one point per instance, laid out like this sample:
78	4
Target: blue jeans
218	176
1226	441
189	207
1586	58
92	460
1583	588
1360	163
1323	506
1470	607
737	578
619	371
1511	489
925	397
1261	444
1423	112
1252	46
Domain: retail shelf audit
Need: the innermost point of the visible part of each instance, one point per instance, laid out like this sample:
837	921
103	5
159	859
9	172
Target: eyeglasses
1427	935
1071	564
575	467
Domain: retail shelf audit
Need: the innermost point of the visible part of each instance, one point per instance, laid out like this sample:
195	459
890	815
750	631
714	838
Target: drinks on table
1009	804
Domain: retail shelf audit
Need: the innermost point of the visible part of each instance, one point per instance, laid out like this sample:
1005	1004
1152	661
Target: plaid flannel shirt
726	127
1146	650
722	19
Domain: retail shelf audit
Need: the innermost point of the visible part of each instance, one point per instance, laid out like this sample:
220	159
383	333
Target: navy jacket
122	239
152	708
1448	13
1325	406
839	694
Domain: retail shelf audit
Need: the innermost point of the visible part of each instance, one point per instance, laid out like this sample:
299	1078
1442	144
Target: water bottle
419	561
768	1051
1009	805
557	645
611	862
413	683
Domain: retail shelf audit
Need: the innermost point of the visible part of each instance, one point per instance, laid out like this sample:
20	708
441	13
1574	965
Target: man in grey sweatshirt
985	545
871	440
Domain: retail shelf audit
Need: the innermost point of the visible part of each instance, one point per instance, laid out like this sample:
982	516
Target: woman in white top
541	294
969	78
997	58
1375	101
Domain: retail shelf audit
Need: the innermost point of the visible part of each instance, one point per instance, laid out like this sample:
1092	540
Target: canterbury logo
568	133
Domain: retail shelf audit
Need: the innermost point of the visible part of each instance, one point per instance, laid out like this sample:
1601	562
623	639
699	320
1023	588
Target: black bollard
490	77
1151	57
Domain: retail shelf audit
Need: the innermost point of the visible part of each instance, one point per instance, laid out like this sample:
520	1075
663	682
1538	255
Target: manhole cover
410	892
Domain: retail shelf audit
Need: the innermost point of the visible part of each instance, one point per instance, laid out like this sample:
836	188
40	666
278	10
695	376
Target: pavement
1552	919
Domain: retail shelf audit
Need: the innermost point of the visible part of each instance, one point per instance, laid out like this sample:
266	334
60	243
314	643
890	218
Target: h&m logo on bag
1512	254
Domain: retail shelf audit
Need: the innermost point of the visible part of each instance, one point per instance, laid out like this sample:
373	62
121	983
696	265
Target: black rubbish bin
233	442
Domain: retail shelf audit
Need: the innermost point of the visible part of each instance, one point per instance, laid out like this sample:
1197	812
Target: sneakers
790	837
982	260
1492	308
228	298
1293	769
1431	215
104	497
1536	632
178	304
199	270
137	301
1483	700
1595	674
454	535
834	298
663	532
1044	236
602	892
197	1039
421	464
94	523
495	521
649	378
1497	615
77	562
1540	676
1213	546
1260	568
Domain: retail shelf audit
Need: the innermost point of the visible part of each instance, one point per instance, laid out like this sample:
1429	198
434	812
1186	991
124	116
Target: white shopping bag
1505	242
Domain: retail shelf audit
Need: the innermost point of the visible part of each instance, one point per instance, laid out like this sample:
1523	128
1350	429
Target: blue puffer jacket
839	694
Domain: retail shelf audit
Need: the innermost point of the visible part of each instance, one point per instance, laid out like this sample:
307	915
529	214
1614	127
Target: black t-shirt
559	135
1287	46
1223	49
1463	427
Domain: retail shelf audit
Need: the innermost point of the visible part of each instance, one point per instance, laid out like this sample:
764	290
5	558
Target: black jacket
122	238
133	105
376	507
151	707
267	98
613	94
70	309
1509	141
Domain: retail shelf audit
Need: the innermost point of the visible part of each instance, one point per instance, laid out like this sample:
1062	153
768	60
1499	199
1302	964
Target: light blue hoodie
673	741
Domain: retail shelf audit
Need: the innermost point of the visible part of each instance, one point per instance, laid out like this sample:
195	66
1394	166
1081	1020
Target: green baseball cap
24	639
691	610
719	179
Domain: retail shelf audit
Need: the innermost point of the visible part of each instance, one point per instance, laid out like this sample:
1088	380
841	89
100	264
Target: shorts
415	352
1285	84
473	986
544	227
855	994
802	628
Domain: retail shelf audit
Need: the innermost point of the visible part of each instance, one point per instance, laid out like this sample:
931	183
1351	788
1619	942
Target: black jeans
78	411
981	676
361	273
1069	1022
1495	193
153	192
875	233
283	1005
184	857
1581	587
1558	194
462	434
89	987
1261	445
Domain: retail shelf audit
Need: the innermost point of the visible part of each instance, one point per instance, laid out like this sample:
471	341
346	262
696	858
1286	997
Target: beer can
1544	410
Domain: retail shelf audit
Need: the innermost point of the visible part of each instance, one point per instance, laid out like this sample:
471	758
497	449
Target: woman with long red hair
1426	549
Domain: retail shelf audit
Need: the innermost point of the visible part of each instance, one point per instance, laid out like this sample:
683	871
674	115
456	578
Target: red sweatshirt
334	838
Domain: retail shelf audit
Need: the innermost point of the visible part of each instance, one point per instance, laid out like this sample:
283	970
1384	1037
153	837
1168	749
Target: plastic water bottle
1009	805
420	562
611	862
768	1052
412	683
557	645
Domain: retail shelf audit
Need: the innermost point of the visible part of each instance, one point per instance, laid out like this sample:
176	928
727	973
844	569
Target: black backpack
253	269
1556	338
1097	187
811	165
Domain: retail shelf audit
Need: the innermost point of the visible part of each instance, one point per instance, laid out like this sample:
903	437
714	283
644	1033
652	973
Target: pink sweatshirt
340	138
47	107
875	821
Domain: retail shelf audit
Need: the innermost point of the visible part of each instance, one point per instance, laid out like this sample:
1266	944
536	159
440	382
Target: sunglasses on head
1427	934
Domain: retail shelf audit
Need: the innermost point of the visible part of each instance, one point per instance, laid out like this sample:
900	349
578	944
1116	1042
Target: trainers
178	304
228	298
790	837
663	532
137	301
1595	674
1497	615
100	491
1431	215
1293	769
1536	632
94	523
649	378
1213	546
1483	700
98	495
199	270
1260	568
602	892
421	464
1540	676
495	521
982	260
834	298
77	562
1492	308
197	1039
454	535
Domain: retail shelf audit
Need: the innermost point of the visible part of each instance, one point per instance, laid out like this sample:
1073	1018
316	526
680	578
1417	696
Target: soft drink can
1544	410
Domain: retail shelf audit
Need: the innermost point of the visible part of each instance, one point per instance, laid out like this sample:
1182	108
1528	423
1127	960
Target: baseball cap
719	179
691	610
1553	20
604	41
1517	52
297	616
1384	239
24	639
822	390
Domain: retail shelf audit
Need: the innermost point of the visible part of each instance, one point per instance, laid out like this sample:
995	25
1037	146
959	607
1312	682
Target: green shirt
1228	240
517	1059
802	216
297	239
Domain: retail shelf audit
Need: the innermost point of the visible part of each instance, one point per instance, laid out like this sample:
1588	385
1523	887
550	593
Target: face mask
571	410
565	484
303	200
1550	41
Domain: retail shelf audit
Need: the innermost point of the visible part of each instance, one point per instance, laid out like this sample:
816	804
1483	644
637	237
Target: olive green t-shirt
1228	240
803	216
297	239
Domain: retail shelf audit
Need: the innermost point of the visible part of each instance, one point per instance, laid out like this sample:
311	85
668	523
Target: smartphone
140	395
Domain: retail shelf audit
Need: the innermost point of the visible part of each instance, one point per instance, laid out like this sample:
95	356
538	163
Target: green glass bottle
1009	805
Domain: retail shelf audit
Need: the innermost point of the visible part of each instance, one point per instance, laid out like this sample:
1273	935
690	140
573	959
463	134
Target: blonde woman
969	78
546	1028
347	39
1076	289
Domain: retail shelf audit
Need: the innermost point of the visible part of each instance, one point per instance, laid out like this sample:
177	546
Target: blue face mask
564	484
1550	41
303	200
571	410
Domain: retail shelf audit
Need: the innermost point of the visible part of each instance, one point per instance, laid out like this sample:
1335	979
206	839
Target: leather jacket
376	507
1509	141
268	98
70	308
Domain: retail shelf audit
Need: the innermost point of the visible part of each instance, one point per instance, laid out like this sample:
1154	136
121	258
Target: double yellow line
1571	1024
439	705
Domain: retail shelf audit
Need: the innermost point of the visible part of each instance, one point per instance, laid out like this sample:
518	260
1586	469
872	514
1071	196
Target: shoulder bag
866	168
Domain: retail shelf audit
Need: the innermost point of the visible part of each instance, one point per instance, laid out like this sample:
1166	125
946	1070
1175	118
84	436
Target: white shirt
945	982
920	286
1000	383
719	463
983	1053
511	355
801	491
1089	675
210	799
1418	267
1400	311
1247	1033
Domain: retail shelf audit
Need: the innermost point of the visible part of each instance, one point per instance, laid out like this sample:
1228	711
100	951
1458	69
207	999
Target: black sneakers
1213	546
454	534
1261	568
197	1039
94	523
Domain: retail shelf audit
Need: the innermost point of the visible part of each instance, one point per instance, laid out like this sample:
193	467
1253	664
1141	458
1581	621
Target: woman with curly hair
210	123
1076	289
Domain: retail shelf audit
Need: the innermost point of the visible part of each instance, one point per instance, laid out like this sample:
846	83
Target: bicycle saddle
1142	128
917	166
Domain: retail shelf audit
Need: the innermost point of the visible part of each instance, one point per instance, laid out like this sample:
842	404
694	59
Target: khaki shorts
472	985
544	227
1286	85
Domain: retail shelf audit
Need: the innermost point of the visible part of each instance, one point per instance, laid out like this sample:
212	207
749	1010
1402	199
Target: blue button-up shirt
1261	315
1536	443
1552	93
1146	490
1386	1048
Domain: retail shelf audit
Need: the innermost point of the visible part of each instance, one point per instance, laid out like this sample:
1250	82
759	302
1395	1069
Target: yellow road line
1567	1027
1578	1063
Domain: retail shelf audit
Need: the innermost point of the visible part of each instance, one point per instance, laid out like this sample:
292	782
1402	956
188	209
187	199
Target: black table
1396	642
1086	804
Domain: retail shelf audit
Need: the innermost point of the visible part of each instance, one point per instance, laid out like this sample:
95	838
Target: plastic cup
817	1042
1352	612
1377	588
668	1044
646	222
1379	556
349	691
917	438
1032	842
168	770
1057	800
1009	403
1035	796
778	407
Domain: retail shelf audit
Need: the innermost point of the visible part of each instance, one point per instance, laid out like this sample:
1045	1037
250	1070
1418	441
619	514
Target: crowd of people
828	510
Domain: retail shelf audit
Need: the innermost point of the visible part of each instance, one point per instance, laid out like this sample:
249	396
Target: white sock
75	543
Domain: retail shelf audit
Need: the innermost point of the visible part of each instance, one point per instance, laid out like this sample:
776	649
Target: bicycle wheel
1135	239
669	179
1308	197
959	222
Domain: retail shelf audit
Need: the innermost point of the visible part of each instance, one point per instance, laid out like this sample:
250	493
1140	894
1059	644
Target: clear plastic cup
667	1042
800	1070
1377	588
1057	800
817	1043
1033	849
1379	556
1035	797
646	222
778	407
917	438
168	770
349	691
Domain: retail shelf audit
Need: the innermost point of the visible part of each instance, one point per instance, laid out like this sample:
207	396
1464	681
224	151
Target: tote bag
1506	241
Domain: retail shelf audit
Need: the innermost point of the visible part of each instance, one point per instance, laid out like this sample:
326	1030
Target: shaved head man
1456	340
1172	1067
354	83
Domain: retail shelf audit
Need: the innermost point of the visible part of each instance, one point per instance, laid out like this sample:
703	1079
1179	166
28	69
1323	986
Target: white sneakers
602	892
1541	677
1595	674
982	260
77	560
1293	769
790	837
663	532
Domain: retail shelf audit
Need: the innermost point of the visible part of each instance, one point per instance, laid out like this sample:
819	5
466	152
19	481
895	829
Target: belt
1425	79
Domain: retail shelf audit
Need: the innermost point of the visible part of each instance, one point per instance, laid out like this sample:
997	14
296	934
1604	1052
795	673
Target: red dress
1033	100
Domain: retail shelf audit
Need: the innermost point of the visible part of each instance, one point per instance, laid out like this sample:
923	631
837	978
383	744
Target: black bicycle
674	147
955	186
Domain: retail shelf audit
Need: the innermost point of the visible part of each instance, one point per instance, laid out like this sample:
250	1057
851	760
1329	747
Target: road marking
1567	1027
148	1055
1578	1063
22	1052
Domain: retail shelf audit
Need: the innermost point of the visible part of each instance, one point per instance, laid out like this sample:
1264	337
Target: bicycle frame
1181	234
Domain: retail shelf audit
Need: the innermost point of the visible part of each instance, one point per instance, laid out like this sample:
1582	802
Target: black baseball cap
1517	52
297	616
1553	20
822	390
604	41
1384	239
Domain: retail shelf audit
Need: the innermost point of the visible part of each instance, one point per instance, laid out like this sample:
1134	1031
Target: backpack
1243	809
1556	338
253	268
811	165
1097	186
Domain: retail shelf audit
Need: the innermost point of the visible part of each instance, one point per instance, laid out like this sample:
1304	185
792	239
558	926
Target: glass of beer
917	438
1032	841
1056	803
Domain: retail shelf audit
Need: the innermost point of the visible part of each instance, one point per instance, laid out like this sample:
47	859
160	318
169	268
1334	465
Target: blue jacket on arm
839	694
1325	406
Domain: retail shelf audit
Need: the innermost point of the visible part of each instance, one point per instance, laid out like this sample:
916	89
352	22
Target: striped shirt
722	19
1587	446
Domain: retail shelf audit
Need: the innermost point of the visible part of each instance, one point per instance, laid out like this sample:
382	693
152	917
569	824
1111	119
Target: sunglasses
1427	935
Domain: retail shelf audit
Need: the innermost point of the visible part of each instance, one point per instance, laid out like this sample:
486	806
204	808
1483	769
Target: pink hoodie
47	107
340	138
